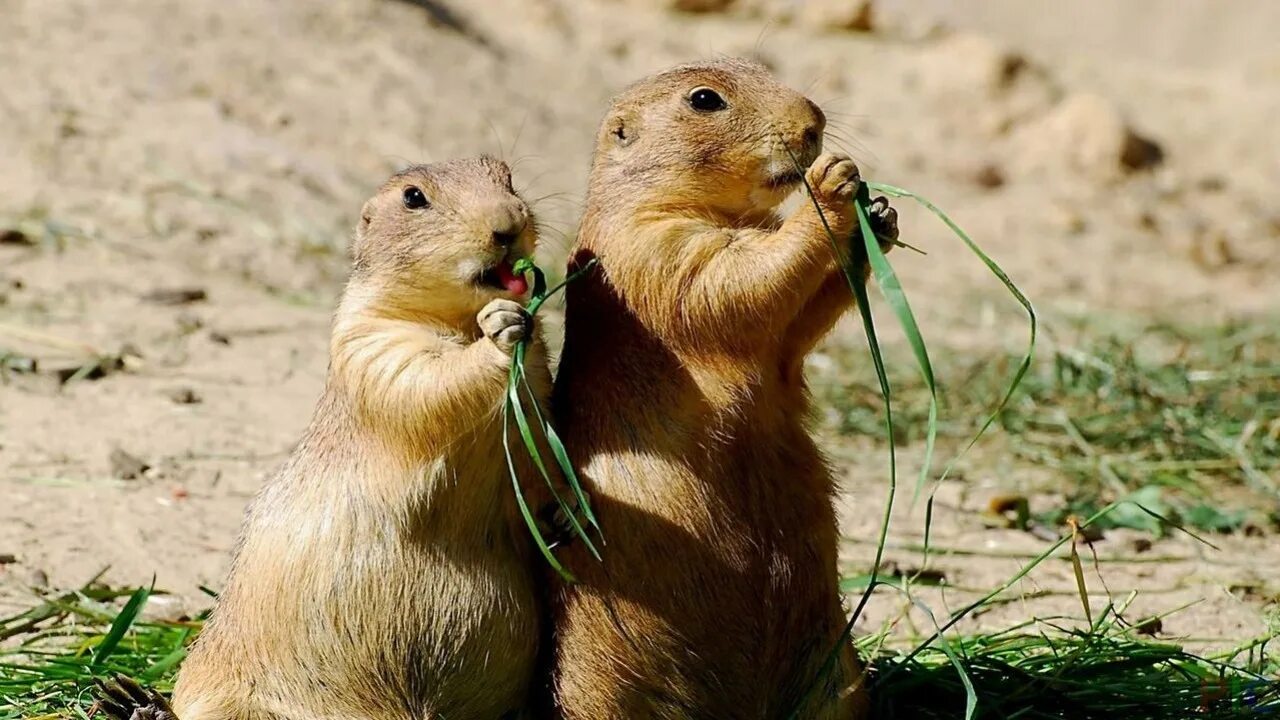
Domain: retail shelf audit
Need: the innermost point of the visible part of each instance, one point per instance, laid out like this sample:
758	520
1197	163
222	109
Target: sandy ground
151	146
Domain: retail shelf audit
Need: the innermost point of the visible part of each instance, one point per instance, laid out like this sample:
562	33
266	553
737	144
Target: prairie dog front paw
884	222
505	323
834	180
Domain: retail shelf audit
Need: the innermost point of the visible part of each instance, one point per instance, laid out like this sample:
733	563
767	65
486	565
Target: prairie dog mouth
785	179
503	277
788	162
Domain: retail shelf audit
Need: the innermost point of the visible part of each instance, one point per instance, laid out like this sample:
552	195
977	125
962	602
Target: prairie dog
680	394
381	573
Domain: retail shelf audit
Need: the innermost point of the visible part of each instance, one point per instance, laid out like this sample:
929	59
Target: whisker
497	138
852	147
555	240
534	180
557	224
522	160
404	162
823	75
758	48
554	197
520	130
840	115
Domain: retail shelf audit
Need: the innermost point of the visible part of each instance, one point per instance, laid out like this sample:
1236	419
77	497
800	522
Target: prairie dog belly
425	613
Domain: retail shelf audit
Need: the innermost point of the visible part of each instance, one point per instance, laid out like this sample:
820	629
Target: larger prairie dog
681	396
381	573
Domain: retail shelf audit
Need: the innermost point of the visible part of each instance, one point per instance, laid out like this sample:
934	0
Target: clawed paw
123	699
505	323
833	178
884	222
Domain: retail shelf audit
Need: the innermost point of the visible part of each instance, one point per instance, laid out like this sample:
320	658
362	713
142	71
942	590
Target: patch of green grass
1045	669
51	654
1163	414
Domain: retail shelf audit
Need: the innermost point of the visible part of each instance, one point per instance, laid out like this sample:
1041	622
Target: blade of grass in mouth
513	409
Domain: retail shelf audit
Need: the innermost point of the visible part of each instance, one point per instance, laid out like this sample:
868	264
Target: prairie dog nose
507	221
812	135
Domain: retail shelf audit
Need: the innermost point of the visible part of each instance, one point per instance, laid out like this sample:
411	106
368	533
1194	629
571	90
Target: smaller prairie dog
382	573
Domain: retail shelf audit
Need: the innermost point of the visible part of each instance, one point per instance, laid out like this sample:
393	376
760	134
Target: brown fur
380	573
681	396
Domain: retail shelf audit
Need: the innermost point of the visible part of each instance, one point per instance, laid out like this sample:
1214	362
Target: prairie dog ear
355	249
366	217
620	129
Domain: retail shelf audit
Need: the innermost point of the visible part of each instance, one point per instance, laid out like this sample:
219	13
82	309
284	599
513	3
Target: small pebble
188	322
176	296
13	236
1212	183
988	176
185	396
127	467
1150	627
164	608
1212	250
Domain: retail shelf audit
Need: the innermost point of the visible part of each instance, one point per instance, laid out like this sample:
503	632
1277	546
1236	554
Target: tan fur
681	396
380	573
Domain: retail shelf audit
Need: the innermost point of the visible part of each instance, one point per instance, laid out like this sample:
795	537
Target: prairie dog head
716	135
438	241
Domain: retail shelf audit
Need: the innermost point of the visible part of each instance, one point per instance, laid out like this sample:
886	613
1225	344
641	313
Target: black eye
706	100
414	199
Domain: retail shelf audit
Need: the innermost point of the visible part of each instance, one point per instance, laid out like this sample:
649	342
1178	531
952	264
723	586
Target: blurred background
179	180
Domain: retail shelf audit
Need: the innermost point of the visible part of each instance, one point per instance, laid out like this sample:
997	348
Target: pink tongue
515	284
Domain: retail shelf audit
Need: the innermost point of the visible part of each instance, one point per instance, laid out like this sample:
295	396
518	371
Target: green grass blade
1025	364
122	623
562	459
531	445
970	693
853	276
529	520
166	663
513	407
891	287
877	359
553	438
964	612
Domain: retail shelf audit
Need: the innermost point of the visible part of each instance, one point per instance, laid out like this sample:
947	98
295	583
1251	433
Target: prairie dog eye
704	99
414	198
